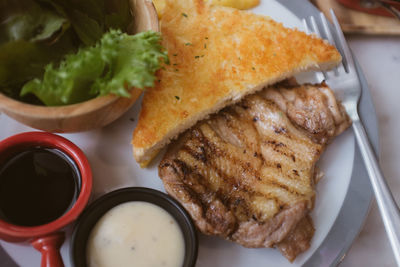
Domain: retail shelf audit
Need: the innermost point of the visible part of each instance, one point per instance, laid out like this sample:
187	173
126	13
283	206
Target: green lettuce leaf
118	14
22	61
115	64
91	18
68	83
39	24
134	65
88	29
34	33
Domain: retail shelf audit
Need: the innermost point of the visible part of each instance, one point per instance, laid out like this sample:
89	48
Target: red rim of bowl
51	141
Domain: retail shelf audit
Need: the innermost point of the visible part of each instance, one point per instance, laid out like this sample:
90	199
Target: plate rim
359	196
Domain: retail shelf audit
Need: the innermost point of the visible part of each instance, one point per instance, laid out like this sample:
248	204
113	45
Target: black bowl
97	209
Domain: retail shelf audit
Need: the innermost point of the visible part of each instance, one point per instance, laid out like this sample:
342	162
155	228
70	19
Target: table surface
379	58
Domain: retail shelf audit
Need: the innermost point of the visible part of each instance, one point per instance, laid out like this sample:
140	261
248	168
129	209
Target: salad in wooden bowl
70	66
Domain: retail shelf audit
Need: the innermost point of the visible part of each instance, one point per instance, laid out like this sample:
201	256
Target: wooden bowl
91	114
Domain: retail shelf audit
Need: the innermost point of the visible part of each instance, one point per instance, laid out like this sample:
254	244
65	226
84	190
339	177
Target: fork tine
348	61
320	75
326	29
331	40
315	26
319	33
306	28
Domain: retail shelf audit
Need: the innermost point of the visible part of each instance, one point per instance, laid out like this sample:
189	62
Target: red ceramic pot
47	238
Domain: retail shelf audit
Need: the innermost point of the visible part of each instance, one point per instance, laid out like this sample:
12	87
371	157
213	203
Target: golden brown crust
218	55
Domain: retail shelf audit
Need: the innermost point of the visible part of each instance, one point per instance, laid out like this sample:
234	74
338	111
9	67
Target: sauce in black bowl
91	216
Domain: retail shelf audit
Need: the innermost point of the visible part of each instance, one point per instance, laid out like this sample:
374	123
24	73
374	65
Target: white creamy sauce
136	234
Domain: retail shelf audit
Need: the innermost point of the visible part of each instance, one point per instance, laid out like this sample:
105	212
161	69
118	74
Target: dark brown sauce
37	186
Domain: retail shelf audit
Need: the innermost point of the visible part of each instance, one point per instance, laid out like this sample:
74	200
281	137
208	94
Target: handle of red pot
49	246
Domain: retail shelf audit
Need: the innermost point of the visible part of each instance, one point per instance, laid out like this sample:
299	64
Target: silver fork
346	85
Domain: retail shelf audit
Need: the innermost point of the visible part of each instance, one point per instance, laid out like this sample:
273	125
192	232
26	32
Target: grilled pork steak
298	240
247	173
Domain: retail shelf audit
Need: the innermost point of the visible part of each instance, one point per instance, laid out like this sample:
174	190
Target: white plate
110	155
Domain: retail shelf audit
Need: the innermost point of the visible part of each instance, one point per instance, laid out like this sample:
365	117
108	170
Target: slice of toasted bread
218	55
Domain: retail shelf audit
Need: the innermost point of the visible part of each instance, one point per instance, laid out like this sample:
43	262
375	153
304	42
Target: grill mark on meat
282	186
280	130
269	117
229	183
243	106
198	189
236	162
241	132
231	189
196	154
247	173
209	147
314	110
274	143
245	167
